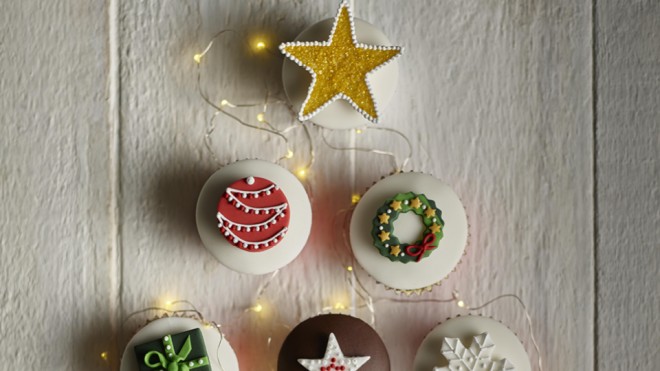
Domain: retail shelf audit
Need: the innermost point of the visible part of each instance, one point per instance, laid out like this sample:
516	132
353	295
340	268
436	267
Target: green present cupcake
174	352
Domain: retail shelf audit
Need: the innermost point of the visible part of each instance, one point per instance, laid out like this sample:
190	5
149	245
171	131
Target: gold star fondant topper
340	67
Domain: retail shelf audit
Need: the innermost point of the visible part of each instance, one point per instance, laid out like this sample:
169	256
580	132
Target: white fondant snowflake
334	358
475	358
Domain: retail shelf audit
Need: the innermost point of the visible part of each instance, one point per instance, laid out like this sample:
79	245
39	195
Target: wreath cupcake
409	231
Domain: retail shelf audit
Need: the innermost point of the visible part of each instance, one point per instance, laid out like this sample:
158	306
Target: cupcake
254	216
338	73
409	231
471	343
333	342
176	343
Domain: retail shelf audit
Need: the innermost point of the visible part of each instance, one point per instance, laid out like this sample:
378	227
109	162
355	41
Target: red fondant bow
419	250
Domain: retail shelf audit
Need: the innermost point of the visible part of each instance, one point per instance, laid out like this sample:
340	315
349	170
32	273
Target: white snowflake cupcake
471	343
254	216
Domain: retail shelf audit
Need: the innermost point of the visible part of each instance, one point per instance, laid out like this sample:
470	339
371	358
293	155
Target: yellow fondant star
415	203
395	250
395	205
384	236
429	212
340	67
434	228
384	218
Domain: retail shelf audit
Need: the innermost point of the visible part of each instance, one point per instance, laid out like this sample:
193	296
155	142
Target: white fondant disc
245	261
506	342
220	354
430	270
340	114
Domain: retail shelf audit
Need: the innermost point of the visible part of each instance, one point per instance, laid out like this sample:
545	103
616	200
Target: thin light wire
221	109
398	168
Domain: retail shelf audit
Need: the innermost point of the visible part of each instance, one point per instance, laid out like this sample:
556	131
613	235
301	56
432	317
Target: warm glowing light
198	58
261	117
104	356
339	306
355	199
289	153
258	308
301	173
349	268
358	131
461	304
224	102
260	45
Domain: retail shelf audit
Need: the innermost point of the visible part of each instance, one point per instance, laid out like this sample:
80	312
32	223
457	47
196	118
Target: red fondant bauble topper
253	214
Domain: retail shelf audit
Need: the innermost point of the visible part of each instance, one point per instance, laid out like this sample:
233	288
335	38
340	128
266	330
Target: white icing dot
166	338
387	245
201	361
191	364
168	347
381	227
405	202
250	180
424	207
434	220
389	211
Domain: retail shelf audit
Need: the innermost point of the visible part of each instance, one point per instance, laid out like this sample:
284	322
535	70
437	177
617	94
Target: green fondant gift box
174	352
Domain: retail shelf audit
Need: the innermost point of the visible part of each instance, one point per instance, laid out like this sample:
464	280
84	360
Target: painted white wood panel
58	296
497	100
628	168
101	168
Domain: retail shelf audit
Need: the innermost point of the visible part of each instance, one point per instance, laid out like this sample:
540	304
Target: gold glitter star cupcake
340	67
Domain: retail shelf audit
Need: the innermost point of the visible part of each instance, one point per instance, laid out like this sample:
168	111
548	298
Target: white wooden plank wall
543	115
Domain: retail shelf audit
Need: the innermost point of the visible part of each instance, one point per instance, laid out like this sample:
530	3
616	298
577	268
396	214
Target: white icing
220	354
333	350
340	114
477	357
507	346
226	222
413	275
240	260
255	244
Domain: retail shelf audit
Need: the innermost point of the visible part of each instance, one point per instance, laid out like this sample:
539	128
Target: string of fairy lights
360	298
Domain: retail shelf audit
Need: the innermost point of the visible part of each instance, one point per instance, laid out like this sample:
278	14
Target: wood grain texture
55	239
496	97
102	144
628	168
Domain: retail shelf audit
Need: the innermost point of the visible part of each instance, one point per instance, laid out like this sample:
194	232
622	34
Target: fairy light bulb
355	199
301	173
104	356
358	131
349	268
340	306
261	117
461	304
258	308
198	58
224	103
260	45
289	153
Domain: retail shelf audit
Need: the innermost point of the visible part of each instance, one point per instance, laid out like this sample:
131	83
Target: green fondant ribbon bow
174	361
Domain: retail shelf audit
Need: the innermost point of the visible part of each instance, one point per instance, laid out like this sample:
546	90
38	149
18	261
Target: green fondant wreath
387	242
